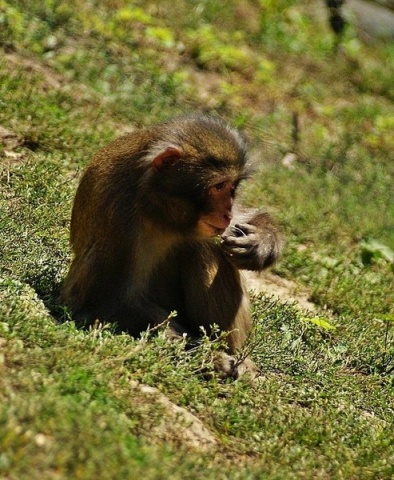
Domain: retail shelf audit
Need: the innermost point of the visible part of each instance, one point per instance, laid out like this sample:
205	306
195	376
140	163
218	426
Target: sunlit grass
73	76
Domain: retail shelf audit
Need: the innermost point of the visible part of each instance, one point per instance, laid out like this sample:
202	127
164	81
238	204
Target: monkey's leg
137	315
214	294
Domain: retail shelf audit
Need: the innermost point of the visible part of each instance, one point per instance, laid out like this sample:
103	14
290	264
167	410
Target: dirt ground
285	290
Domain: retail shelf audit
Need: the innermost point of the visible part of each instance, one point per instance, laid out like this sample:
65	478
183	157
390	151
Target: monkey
154	229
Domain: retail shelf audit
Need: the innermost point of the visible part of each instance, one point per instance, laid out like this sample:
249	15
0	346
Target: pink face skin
221	197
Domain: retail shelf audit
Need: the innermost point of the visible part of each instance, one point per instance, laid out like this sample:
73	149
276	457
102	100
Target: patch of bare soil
9	141
177	423
49	78
285	290
52	80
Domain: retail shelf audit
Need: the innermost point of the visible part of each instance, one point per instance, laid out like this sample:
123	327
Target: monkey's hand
251	247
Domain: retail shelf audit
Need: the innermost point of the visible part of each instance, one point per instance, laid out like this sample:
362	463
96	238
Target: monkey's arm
252	242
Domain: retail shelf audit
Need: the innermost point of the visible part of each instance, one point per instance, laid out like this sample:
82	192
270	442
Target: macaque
154	230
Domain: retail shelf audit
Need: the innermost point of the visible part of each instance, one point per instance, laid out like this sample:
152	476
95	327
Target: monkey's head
196	165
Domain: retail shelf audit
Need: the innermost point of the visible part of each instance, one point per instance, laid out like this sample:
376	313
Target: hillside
318	111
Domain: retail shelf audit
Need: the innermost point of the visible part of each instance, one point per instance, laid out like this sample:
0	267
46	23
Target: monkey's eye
219	186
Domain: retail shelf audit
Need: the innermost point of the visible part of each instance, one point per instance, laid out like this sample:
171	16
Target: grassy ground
73	75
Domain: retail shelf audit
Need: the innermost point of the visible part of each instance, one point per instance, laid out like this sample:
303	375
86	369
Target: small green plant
220	51
322	323
387	359
373	251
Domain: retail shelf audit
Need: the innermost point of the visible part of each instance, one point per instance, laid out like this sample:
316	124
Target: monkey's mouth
209	230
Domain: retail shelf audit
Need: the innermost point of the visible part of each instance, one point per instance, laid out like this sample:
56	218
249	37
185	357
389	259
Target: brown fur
141	229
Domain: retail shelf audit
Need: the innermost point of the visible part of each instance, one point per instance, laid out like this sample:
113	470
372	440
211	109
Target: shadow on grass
47	284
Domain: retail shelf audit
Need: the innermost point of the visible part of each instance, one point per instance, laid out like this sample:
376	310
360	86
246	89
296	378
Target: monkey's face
217	214
195	171
191	203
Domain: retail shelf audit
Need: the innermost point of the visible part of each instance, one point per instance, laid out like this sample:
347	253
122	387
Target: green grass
72	77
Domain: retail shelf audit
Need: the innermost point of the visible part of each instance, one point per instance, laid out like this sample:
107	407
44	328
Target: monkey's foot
229	367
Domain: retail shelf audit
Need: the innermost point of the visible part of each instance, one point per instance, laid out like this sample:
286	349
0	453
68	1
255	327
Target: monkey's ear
166	157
